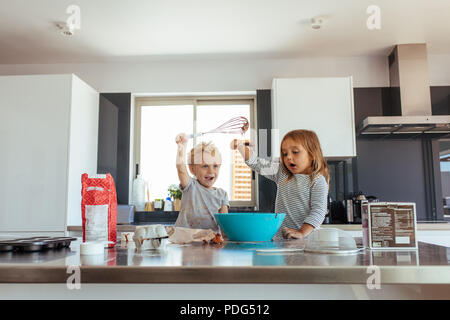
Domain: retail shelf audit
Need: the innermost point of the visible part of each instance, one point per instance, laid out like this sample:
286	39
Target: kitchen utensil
349	209
234	125
245	226
35	244
357	202
6	246
331	241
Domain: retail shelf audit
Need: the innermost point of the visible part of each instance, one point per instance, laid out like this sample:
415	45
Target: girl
302	178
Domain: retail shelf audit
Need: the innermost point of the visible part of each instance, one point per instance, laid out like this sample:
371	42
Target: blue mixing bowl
244	226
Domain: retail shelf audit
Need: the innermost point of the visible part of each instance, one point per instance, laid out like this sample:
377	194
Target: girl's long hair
309	140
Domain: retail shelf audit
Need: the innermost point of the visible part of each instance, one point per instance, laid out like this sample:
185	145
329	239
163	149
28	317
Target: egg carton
149	237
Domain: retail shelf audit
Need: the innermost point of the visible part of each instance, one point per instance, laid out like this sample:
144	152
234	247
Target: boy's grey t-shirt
198	206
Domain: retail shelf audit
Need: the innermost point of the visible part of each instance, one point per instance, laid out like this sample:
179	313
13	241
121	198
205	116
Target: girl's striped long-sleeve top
303	200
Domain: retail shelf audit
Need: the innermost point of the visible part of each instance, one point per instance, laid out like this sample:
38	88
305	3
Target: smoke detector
317	22
65	29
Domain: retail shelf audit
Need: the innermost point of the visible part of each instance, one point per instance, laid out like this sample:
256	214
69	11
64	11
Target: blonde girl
301	176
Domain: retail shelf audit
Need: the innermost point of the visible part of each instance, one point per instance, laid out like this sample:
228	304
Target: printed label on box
392	225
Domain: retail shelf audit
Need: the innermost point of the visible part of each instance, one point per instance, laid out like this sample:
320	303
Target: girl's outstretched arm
265	167
181	140
242	147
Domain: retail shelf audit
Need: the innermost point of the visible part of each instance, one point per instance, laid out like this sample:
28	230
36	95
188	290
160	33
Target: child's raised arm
242	147
267	168
182	140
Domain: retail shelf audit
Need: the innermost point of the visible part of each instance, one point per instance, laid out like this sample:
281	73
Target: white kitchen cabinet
48	138
323	105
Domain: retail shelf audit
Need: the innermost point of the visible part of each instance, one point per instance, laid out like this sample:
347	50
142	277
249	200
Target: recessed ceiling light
317	22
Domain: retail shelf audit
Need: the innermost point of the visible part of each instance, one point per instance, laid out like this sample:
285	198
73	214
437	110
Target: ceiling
117	30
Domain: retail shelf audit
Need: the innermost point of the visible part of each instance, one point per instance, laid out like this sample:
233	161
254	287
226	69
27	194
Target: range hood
410	103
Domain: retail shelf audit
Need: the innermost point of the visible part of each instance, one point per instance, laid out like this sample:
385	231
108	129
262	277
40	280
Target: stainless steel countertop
421	226
231	262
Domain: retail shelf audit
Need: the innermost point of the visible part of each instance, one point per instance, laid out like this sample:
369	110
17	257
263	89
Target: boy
200	200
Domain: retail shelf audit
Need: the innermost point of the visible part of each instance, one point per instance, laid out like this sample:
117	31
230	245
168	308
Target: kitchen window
159	119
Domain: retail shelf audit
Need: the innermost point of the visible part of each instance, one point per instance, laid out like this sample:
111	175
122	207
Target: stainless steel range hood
410	102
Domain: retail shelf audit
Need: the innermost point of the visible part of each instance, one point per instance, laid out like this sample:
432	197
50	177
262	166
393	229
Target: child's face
295	157
208	171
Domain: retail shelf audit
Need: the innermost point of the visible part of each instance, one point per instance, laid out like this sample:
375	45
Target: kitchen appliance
337	212
246	226
357	202
354	205
409	114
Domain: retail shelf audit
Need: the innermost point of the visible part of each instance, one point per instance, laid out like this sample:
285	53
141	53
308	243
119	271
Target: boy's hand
245	127
234	144
181	140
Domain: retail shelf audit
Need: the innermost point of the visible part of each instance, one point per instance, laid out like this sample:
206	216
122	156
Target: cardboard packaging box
389	225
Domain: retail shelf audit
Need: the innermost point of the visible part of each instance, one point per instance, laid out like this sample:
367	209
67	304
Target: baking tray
34	244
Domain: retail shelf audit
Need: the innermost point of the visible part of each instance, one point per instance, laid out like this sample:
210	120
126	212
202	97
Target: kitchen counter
231	262
421	226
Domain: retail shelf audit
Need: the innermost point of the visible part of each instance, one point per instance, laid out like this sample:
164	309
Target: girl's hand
237	143
181	140
289	233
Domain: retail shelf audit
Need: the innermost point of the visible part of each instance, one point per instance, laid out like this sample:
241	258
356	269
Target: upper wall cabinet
323	105
48	138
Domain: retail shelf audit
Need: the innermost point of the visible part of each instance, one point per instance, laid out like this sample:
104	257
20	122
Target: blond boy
200	200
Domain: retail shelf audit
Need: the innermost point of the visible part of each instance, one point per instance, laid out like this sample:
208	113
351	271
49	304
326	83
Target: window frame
195	101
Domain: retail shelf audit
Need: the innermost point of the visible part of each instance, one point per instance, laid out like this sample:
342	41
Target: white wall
83	144
225	74
34	135
439	69
211	75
